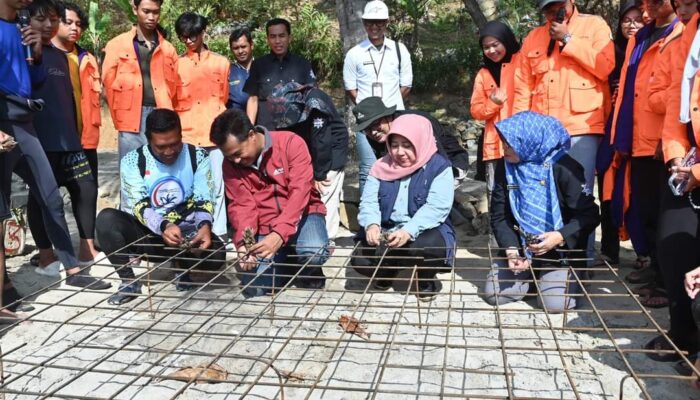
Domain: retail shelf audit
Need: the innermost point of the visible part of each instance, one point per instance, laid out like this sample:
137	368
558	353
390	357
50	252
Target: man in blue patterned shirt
168	190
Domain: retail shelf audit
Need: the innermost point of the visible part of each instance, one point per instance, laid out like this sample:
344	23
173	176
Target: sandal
646	275
657	298
644	290
683	368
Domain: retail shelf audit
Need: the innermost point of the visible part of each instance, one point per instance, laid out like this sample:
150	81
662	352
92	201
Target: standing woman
630	21
201	97
492	98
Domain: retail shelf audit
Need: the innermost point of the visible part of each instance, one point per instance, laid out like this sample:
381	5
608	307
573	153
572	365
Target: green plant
92	38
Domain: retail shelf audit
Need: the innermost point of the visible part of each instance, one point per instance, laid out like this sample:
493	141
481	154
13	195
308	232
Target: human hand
549	240
32	37
498	96
172	235
246	261
7	142
515	262
557	30
322	185
685	173
373	235
202	239
398	238
267	247
692	282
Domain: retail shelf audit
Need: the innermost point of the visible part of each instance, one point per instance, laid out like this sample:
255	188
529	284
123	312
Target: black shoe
427	291
126	293
183	282
381	284
310	283
86	281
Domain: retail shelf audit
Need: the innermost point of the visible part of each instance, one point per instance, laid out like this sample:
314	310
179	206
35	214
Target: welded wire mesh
291	344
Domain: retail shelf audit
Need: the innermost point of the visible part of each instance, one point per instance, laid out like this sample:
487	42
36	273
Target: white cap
376	9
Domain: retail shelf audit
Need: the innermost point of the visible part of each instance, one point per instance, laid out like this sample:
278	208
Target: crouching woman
404	209
539	207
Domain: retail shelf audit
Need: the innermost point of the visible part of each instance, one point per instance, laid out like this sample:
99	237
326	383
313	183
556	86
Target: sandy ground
437	361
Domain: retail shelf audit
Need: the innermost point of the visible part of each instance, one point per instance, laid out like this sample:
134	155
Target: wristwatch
566	38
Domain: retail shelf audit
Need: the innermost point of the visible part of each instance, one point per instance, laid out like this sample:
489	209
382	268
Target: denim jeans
365	158
584	149
129	141
307	247
216	159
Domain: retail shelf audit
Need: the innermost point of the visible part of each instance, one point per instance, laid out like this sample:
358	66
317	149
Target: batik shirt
168	193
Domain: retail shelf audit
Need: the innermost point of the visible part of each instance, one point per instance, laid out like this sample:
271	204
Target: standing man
139	74
270	183
277	68
201	96
377	67
22	154
241	44
84	77
563	72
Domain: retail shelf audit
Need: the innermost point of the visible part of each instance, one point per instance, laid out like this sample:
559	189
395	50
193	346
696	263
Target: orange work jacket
661	72
90	99
675	141
123	84
647	124
483	109
202	93
571	84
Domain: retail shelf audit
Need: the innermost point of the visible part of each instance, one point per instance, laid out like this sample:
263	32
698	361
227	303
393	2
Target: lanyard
376	71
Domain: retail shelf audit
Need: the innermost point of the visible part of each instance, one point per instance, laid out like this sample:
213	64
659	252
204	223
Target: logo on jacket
318	123
278	171
167	192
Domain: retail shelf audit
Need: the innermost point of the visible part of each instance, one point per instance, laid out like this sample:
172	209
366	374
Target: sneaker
126	293
183	282
330	248
427	291
86	281
52	270
381	284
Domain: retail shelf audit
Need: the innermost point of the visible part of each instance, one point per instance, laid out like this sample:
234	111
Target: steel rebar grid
320	310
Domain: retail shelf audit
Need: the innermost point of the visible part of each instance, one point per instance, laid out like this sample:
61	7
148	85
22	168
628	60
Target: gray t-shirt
56	125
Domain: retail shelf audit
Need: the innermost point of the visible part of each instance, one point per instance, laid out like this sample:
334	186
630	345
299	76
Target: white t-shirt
365	64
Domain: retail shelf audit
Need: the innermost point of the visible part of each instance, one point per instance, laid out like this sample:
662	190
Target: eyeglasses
192	38
376	22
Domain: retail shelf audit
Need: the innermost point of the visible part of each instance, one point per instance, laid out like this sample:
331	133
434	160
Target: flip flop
656	299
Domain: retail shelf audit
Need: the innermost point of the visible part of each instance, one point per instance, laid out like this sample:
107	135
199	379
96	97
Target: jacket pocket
123	93
539	63
218	83
184	97
585	96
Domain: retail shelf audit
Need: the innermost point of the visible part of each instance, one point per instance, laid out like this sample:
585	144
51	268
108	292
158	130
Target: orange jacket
202	93
647	124
570	85
675	136
661	71
121	76
90	99
483	109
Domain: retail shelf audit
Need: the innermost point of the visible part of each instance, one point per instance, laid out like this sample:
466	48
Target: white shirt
364	66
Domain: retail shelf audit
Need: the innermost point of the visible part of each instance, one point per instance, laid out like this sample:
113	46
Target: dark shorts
70	166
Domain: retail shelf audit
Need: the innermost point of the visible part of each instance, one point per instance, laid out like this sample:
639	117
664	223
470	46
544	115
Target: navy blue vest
418	190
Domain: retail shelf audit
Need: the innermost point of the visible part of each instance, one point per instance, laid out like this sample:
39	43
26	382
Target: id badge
377	89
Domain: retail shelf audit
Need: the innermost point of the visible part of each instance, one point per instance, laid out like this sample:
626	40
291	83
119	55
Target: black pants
117	230
72	171
679	230
610	237
92	160
29	161
428	250
649	175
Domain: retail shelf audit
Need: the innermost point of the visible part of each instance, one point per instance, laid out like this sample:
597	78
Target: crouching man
167	186
275	209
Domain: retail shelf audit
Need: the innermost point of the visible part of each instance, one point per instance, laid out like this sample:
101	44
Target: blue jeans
129	141
311	243
584	149
365	158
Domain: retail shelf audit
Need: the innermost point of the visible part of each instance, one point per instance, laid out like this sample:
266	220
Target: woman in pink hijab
404	210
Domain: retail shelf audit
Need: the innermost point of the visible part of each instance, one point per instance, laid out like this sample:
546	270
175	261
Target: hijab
540	141
419	131
502	32
620	42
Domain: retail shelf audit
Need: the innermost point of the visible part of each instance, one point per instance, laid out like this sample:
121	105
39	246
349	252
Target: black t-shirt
268	71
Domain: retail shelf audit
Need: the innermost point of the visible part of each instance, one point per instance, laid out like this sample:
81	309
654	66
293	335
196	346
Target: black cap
369	110
541	4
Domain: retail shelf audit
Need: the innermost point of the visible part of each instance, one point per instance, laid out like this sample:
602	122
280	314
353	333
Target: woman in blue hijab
541	213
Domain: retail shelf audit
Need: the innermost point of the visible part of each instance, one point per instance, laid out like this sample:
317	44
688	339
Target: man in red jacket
275	209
